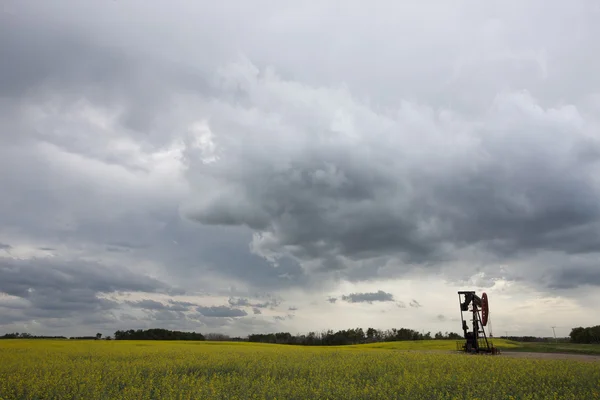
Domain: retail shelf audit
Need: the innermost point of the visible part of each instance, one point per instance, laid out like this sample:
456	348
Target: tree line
589	335
18	335
329	337
529	339
157	334
349	336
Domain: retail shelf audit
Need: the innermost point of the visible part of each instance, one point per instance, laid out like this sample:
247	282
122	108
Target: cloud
500	181
147	304
180	305
247	168
221	312
52	289
256	311
173	305
415	304
238	302
380	295
332	300
244	302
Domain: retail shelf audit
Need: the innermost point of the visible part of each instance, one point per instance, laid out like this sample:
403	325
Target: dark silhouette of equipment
476	341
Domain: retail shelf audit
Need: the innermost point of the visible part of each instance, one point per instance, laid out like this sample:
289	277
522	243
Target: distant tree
371	334
98	336
585	335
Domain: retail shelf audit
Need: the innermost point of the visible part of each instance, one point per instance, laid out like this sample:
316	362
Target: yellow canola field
44	369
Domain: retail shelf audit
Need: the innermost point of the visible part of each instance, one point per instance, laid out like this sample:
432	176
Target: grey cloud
416	206
168	315
415	304
482	148
239	302
172	306
19	276
256	311
221	312
4	246
116	249
400	304
180	305
485	191
147	304
127	245
293	309
66	288
368	219
332	300
268	304
380	295
243	302
574	277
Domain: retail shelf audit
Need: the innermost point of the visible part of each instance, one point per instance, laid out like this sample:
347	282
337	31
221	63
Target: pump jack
476	341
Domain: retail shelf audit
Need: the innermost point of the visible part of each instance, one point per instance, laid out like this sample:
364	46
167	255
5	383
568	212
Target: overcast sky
263	166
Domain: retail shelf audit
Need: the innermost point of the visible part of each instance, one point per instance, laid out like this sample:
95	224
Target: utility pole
555	340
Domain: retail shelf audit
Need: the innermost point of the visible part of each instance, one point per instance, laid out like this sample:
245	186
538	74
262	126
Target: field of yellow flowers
40	369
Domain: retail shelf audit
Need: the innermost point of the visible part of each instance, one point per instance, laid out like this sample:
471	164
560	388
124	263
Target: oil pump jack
476	341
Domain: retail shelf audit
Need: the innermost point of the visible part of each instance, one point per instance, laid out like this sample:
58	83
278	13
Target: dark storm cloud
221	312
4	246
46	58
571	278
331	194
61	288
380	295
482	148
511	183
